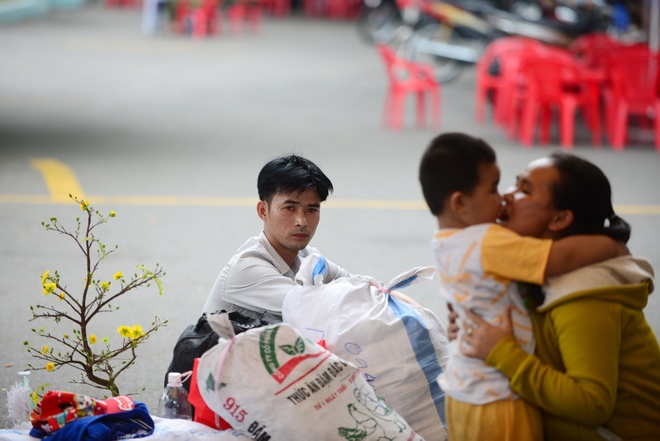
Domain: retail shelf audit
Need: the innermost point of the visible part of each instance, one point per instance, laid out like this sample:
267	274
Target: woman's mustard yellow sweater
597	362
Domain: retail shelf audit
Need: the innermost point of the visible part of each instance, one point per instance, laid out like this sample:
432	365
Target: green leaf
210	383
160	285
300	345
145	272
289	349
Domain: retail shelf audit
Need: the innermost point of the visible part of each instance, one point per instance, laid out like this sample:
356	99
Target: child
477	262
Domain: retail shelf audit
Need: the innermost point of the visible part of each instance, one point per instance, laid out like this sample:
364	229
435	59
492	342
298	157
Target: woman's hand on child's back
480	337
452	328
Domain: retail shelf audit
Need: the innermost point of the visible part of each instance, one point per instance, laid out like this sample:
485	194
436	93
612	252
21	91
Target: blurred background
166	113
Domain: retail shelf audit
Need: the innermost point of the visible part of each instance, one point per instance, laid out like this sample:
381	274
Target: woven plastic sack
400	348
271	383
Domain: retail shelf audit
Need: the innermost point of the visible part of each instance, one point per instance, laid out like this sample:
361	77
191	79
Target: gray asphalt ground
166	130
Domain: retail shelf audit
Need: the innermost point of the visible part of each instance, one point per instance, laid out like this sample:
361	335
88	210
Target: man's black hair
287	174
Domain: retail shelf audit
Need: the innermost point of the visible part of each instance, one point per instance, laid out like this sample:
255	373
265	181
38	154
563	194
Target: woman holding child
595	373
480	263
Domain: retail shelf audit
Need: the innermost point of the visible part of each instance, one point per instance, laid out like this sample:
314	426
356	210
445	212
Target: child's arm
574	252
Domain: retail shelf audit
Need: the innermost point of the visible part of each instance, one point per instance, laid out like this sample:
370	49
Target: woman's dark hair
287	174
584	189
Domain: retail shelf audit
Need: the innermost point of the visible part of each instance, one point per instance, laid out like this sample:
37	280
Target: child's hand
480	337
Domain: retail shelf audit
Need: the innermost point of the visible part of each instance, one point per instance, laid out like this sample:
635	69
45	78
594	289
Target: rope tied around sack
383	289
223	357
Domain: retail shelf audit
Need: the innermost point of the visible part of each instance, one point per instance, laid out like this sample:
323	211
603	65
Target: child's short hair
451	163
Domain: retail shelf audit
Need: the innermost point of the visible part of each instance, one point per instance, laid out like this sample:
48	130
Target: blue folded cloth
135	423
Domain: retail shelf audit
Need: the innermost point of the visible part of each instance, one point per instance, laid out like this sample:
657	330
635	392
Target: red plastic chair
634	78
181	15
406	77
200	20
276	8
243	11
555	83
496	71
657	121
123	3
342	9
313	8
592	49
205	19
514	89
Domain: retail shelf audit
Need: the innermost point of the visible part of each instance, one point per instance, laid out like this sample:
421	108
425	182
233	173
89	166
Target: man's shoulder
253	248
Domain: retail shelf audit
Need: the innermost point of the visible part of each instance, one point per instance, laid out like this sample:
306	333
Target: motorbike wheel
446	69
378	21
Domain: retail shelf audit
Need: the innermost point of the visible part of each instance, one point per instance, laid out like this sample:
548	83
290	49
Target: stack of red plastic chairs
632	91
529	82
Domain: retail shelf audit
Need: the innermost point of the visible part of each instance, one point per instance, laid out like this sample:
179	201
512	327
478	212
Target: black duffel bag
199	338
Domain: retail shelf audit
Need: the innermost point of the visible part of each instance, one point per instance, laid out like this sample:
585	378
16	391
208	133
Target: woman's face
528	207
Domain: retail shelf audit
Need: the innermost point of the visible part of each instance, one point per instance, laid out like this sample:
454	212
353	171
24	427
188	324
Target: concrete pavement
171	133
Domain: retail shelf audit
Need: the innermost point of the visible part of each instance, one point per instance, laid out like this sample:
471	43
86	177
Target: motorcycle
378	21
452	34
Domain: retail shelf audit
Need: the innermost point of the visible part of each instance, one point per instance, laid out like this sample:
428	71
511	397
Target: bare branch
100	369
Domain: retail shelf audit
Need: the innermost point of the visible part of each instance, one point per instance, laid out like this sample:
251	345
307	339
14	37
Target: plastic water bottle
174	401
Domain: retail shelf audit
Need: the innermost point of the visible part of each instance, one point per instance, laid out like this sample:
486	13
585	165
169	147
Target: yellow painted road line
641	210
59	178
174	201
210	201
377	204
61	181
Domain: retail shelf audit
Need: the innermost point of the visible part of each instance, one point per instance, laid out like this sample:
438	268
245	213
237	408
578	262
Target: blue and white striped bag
399	347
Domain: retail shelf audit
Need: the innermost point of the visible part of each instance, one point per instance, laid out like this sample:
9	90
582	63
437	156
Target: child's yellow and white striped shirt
478	268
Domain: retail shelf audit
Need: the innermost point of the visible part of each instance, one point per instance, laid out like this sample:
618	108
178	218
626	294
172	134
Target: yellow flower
113	214
118	275
44	349
83	205
61	296
50	367
92	339
44	277
136	331
49	288
65	335
124	331
105	286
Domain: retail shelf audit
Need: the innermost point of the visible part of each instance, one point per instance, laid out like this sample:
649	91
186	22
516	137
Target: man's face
290	221
528	207
483	205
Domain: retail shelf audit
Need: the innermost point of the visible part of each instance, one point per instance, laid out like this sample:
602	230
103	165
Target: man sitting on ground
262	271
